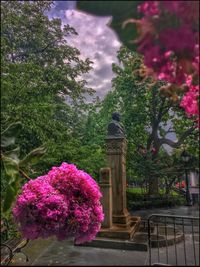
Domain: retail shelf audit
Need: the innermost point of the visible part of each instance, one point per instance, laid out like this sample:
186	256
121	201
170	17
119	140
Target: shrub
144	201
64	203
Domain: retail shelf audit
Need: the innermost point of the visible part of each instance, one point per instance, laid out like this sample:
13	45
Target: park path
50	252
177	210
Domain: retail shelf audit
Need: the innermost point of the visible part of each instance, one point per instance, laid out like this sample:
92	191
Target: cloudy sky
95	40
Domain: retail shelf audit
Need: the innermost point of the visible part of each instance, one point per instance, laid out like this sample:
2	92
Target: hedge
144	201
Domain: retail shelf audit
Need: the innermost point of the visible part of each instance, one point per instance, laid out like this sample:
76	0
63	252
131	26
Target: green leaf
11	167
9	135
13	154
33	157
9	198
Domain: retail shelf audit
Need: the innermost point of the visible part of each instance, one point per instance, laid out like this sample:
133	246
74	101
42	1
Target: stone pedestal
123	225
106	201
118	226
116	158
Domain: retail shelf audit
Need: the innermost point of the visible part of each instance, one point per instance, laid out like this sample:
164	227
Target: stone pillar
106	201
116	157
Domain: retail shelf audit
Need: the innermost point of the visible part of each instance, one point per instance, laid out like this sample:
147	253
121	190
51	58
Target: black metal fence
173	240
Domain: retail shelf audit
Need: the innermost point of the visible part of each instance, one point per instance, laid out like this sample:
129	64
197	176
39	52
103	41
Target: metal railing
173	240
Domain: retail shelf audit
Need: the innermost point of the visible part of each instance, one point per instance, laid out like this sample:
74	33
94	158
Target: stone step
115	244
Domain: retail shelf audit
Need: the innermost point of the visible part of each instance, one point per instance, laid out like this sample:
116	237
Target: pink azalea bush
64	203
169	41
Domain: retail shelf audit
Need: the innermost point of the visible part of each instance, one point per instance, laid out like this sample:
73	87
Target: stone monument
122	225
118	226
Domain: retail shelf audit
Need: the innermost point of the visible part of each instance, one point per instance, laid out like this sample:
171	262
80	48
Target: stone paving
64	253
50	252
168	254
179	210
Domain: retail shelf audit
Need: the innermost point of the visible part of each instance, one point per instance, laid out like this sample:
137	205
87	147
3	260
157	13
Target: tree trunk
167	189
153	186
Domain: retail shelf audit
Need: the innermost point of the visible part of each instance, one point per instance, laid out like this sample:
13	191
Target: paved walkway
179	210
50	252
53	253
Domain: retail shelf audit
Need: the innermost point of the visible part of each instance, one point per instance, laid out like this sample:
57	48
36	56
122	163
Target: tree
148	116
41	81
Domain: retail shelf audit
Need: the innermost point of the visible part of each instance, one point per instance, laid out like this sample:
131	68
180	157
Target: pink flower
153	57
179	40
64	203
189	103
190	100
169	42
149	8
188	11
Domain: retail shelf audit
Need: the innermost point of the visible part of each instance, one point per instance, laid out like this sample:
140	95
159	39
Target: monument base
122	220
118	237
124	232
101	242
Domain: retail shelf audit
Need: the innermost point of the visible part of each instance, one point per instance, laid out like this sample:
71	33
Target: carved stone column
116	158
106	189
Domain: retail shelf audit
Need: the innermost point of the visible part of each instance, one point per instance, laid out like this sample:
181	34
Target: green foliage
39	88
138	191
146	115
12	166
139	200
91	158
8	136
41	83
32	158
42	86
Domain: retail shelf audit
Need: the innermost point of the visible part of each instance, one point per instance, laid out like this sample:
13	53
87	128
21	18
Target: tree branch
170	130
179	142
25	54
24	174
160	112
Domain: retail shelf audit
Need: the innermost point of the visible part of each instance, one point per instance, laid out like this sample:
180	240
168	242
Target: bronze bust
115	128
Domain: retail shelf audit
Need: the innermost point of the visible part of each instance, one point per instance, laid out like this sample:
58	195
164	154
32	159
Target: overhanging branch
179	142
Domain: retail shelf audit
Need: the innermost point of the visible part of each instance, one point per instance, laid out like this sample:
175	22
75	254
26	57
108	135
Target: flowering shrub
169	41
64	203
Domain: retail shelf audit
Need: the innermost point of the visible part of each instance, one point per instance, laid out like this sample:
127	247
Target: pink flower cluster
190	100
169	42
149	8
64	203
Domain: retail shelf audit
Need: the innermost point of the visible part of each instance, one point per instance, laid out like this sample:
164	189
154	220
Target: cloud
59	8
95	41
